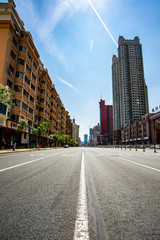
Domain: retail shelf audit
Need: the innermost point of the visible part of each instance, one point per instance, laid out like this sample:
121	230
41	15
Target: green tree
22	124
6	97
55	138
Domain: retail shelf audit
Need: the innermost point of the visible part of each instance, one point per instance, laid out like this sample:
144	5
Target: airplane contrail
94	9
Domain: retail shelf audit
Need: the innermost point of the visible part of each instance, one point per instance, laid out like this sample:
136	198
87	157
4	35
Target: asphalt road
45	195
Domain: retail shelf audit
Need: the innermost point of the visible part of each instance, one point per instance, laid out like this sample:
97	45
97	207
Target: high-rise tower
133	97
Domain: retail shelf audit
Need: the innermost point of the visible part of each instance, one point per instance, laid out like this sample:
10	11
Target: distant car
66	146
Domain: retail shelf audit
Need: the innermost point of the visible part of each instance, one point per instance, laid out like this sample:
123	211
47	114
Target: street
80	193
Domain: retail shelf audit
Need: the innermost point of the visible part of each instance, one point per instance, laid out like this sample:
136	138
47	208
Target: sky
76	48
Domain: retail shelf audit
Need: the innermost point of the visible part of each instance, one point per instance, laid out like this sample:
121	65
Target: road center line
81	231
142	165
29	162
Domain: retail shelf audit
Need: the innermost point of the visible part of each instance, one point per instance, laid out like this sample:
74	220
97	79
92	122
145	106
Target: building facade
115	94
21	70
96	134
85	139
75	132
144	131
106	122
133	95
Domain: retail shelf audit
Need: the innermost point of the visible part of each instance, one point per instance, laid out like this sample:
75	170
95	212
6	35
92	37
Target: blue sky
77	50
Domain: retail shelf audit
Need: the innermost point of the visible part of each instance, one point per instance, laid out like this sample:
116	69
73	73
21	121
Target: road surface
80	193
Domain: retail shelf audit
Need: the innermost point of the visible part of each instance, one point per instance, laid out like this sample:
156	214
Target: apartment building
21	70
128	80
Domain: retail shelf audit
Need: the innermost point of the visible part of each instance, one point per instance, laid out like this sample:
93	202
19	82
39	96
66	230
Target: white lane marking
81	231
22	164
142	165
14	154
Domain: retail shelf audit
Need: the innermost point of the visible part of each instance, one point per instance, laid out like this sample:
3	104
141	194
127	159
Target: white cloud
66	83
44	24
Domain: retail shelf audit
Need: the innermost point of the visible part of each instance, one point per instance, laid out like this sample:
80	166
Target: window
13	55
17	103
33	87
17	88
37	107
14	117
3	109
19	75
31	99
31	110
33	76
42	100
29	56
43	74
20	61
9	84
10	69
25	93
15	42
22	49
27	80
40	119
24	36
28	68
34	65
41	109
24	106
42	91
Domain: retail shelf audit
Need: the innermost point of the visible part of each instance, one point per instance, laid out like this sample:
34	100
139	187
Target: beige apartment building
21	70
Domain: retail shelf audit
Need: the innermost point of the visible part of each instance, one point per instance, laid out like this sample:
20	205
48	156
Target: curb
26	150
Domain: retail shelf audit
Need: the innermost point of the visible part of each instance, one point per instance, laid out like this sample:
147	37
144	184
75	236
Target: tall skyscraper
129	87
115	89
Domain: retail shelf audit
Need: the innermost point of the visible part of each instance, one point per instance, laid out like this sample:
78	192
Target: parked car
66	146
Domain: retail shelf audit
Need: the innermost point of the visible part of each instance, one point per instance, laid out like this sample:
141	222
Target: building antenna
101	95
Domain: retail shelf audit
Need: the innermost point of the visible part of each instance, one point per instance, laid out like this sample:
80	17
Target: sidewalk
5	151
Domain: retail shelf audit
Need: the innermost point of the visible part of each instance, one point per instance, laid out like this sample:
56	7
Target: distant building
85	139
75	133
106	123
96	133
90	134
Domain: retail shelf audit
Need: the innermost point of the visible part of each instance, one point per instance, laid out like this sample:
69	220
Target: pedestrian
14	146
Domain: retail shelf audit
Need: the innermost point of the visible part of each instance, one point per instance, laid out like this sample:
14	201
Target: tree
55	138
22	124
6	97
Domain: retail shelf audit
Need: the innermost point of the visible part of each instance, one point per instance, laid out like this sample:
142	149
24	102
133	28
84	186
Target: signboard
156	109
11	124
